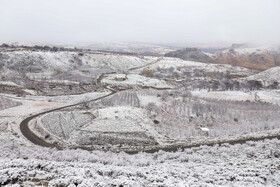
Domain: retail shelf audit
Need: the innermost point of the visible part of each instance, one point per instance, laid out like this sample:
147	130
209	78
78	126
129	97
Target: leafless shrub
147	72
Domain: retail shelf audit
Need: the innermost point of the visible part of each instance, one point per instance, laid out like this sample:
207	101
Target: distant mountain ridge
260	58
192	54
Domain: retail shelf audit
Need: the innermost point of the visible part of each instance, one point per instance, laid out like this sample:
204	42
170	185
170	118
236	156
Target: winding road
32	137
25	130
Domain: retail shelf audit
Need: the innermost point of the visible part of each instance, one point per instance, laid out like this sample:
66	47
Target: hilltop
243	55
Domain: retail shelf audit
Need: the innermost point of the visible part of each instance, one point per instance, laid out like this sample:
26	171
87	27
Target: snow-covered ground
270	96
78	128
135	80
145	100
11	118
250	48
7	103
127	120
251	164
69	99
117	119
268	76
8	83
15	109
66	60
168	62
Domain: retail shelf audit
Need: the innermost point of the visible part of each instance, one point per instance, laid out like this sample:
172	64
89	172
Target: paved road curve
25	130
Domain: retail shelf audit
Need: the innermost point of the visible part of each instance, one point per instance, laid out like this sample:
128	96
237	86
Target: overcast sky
155	21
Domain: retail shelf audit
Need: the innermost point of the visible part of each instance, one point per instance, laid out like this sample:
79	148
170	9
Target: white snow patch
271	96
135	80
145	100
8	83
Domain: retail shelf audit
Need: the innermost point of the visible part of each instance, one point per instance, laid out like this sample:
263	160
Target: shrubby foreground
250	164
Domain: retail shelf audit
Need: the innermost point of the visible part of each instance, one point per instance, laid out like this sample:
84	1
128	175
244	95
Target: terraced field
125	98
62	124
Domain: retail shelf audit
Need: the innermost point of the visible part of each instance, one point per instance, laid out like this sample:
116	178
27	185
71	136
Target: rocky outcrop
192	54
237	55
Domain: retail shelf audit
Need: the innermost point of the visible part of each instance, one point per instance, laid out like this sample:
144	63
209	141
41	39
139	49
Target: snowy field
67	99
135	80
168	62
251	164
110	127
165	118
271	96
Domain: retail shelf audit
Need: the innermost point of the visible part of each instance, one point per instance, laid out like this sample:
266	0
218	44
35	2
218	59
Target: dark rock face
192	54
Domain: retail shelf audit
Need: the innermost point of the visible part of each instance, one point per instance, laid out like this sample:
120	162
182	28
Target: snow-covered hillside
168	62
7	103
268	76
62	60
63	72
61	65
244	55
250	164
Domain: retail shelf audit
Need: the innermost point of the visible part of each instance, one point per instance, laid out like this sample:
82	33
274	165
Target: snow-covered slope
250	164
244	55
39	65
66	59
268	76
7	103
191	66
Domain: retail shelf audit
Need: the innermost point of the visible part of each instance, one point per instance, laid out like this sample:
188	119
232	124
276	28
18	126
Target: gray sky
155	21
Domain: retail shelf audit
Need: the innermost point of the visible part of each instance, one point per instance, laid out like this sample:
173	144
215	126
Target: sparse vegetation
147	72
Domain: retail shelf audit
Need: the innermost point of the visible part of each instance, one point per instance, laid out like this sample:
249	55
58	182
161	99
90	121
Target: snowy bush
225	165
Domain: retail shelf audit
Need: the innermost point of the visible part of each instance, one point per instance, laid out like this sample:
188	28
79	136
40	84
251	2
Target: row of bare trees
184	119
